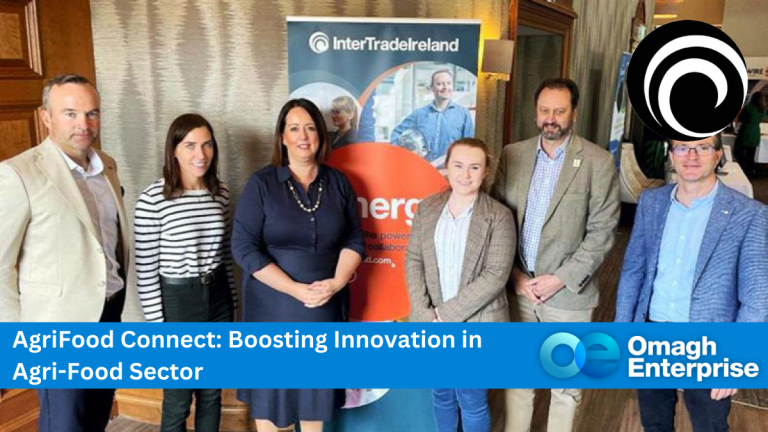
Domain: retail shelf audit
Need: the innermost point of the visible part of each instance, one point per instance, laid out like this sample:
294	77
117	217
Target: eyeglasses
337	111
706	150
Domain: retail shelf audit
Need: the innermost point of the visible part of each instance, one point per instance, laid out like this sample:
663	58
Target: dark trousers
80	410
193	300
745	155
176	408
657	410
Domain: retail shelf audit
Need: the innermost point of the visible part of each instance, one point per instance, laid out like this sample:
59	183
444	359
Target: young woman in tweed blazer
458	261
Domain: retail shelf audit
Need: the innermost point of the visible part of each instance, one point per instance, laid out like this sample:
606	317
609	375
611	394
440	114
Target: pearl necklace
298	200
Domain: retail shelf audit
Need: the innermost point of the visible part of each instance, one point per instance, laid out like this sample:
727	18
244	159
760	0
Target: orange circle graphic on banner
389	182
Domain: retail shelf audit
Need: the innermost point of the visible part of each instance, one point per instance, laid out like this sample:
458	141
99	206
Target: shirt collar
466	213
698	202
284	173
558	151
433	105
95	165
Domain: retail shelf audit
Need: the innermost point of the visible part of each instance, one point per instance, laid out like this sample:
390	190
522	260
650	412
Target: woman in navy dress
298	239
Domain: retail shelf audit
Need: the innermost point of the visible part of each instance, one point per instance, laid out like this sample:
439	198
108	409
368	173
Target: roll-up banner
395	94
619	110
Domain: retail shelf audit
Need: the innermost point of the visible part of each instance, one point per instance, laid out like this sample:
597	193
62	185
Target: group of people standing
543	231
697	252
296	234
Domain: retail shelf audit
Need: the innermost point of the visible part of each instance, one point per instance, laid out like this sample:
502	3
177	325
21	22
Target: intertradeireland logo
687	80
319	42
595	363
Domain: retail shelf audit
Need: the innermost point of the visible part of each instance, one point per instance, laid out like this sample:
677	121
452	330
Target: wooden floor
603	410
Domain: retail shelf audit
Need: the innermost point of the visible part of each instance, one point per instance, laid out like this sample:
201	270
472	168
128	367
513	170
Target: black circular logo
687	80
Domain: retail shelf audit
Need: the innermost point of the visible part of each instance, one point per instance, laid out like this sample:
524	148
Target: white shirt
450	242
103	210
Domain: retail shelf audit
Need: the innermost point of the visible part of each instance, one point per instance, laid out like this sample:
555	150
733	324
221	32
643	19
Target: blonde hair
346	103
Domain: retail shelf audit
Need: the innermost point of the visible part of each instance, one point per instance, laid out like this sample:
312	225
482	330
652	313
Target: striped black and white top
184	237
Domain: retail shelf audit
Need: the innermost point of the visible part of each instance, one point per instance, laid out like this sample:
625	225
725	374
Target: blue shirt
679	251
439	128
543	182
450	242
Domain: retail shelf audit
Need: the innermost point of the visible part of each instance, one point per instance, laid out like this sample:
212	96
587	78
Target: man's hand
719	394
545	286
520	281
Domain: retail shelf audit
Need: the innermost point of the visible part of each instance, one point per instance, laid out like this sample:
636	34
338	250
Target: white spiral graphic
687	66
318	42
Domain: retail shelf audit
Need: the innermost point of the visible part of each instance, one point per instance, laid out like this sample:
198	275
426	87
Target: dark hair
279	153
559	83
758	100
61	80
180	128
473	143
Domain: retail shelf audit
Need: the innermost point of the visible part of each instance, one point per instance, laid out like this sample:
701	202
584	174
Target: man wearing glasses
698	253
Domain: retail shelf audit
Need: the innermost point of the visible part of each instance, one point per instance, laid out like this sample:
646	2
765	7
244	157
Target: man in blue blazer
698	253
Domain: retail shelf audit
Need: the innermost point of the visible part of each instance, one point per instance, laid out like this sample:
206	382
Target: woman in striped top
458	261
183	260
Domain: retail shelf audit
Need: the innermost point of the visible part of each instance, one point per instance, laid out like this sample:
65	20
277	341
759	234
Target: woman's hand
307	294
326	289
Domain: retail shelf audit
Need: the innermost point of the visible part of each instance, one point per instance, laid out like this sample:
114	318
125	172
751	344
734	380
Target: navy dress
270	227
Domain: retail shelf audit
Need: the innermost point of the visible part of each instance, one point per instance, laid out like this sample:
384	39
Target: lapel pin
725	211
576	163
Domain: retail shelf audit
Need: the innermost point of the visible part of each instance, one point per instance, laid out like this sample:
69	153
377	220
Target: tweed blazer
580	223
730	280
488	259
52	267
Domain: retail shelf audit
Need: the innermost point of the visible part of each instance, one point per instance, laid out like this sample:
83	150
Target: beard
558	132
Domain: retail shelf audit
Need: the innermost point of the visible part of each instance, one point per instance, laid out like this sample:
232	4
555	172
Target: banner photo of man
395	93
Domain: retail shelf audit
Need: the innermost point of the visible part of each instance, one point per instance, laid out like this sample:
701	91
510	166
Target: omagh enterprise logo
319	42
588	357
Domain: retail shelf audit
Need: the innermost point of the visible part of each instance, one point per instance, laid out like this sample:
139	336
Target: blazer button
100	251
102	283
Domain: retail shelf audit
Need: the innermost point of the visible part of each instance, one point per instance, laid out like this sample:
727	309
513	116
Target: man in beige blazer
564	193
65	244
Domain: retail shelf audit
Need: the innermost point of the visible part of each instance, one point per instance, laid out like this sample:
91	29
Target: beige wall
746	22
708	11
